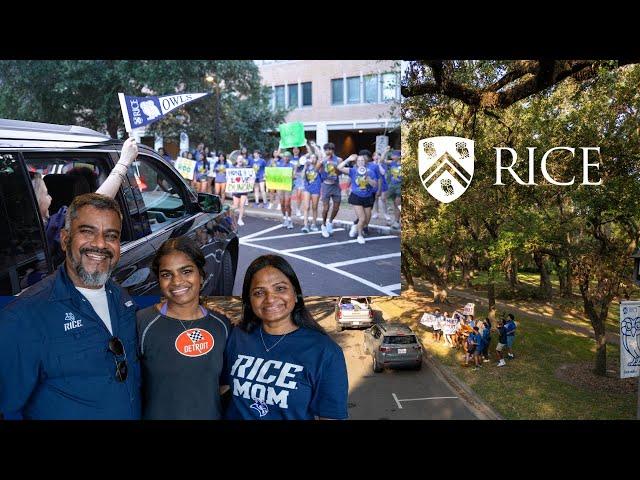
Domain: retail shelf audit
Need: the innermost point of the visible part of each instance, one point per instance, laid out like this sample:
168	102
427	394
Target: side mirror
209	203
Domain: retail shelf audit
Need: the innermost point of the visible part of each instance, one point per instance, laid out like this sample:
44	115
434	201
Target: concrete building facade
347	102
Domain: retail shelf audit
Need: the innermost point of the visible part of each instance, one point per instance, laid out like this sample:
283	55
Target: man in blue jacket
68	344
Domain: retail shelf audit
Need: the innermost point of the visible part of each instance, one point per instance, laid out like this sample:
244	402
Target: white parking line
398	401
275	237
395	286
287	253
366	259
333	244
266	230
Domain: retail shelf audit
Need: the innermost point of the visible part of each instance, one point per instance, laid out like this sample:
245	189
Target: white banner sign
629	339
450	325
240	180
428	319
382	142
186	167
470	309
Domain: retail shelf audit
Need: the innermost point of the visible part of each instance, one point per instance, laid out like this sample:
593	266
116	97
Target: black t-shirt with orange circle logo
181	365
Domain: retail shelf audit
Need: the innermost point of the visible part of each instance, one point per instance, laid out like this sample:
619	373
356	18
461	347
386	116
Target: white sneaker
386	217
375	215
269	206
241	223
325	233
330	228
353	231
501	363
305	229
361	240
285	222
314	227
290	224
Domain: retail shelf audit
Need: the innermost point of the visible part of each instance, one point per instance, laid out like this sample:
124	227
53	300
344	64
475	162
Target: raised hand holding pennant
140	111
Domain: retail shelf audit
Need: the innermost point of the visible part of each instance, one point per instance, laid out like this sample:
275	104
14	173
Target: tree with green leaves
84	92
586	232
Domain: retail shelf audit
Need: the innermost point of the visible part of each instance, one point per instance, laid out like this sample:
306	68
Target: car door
24	258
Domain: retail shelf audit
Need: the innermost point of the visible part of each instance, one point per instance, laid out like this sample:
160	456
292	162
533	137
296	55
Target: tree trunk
513	271
568	291
545	281
466	274
440	293
562	277
597	320
491	296
406	271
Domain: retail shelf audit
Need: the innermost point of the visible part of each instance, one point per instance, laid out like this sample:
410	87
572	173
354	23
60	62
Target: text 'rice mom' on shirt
261	379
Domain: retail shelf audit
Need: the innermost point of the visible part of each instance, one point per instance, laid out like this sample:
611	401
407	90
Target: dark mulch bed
581	375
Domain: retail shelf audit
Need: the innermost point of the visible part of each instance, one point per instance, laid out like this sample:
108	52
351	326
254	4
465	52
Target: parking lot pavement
337	265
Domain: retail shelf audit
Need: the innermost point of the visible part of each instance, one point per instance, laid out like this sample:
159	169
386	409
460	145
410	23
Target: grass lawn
527	387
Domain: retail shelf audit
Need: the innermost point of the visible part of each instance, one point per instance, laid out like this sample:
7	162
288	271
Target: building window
337	92
353	90
279	99
293	95
389	86
371	88
306	94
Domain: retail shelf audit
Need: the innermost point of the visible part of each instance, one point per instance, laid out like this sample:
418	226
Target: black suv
156	202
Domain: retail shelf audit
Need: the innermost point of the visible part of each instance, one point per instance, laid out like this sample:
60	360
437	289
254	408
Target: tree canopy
584	233
84	92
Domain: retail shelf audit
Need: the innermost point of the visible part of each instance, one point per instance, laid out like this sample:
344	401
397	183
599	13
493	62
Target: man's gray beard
95	279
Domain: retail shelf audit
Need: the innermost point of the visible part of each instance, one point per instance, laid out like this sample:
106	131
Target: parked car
155	200
353	312
392	345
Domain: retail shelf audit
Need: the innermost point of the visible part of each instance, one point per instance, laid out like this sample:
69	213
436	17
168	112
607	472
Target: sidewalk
345	217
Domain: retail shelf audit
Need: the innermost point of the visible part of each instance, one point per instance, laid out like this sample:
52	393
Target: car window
400	339
22	253
160	193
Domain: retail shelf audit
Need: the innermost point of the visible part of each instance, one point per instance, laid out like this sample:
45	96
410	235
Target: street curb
343	223
478	406
481	409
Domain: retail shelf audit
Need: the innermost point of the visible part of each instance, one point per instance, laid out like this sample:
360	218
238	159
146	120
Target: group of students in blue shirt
474	337
74	346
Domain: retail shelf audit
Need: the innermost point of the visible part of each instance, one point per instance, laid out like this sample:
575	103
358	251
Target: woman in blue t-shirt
312	186
259	164
220	168
279	363
362	184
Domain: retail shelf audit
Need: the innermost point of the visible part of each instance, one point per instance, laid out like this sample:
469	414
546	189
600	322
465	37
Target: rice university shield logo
445	165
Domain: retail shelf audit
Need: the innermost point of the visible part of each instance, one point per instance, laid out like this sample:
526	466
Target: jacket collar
64	288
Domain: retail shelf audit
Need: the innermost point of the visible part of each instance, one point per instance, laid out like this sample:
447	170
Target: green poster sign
279	178
292	135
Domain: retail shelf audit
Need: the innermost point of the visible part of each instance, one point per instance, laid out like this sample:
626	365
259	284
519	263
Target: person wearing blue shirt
374	173
285	195
474	344
279	362
312	186
362	184
259	164
330	187
68	344
502	342
486	339
511	334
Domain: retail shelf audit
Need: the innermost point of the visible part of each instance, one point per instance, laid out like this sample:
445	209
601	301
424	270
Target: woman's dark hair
220	155
300	315
180	244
